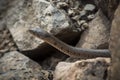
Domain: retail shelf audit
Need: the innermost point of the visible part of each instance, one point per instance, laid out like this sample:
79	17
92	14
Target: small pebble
76	17
71	12
11	44
79	29
75	30
85	25
82	13
90	17
89	7
62	5
81	22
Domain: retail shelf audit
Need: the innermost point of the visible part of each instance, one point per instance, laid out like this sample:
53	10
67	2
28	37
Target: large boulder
90	69
115	46
15	66
23	15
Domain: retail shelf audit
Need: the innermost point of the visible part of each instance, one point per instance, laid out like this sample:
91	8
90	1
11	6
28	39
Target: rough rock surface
97	35
25	14
91	69
21	15
6	41
19	18
115	46
15	66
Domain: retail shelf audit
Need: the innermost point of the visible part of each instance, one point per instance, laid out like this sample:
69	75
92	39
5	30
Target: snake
68	49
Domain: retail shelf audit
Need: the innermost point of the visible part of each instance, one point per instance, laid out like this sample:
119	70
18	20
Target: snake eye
39	32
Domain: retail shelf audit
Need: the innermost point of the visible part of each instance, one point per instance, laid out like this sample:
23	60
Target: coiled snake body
67	49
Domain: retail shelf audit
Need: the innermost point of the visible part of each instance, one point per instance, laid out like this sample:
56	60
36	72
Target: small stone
85	25
90	17
62	5
81	22
71	12
11	44
83	13
89	7
79	29
74	30
76	17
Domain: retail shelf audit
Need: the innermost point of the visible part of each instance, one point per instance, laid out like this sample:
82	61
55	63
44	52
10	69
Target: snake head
40	33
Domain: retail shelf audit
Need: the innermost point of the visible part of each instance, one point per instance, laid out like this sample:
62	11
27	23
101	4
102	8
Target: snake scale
67	49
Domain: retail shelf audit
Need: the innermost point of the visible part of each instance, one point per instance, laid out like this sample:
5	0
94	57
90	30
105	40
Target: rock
107	6
91	69
23	15
14	65
19	19
88	10
62	5
89	7
54	23
97	35
6	41
115	45
81	22
91	17
83	13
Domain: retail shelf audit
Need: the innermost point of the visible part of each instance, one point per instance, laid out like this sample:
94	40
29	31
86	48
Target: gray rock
55	20
19	19
23	15
15	66
82	13
90	17
91	69
89	7
6	41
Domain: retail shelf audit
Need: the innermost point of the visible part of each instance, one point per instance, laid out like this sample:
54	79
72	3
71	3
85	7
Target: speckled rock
25	14
6	41
89	7
98	33
15	66
91	69
55	20
19	19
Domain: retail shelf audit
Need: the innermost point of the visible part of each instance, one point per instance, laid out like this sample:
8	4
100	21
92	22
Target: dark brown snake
67	49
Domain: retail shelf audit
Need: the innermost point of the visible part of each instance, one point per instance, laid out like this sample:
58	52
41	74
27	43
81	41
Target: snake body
67	49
